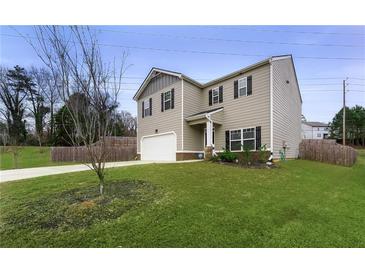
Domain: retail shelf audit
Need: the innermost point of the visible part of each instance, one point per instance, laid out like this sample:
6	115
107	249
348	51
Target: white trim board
182	114
271	109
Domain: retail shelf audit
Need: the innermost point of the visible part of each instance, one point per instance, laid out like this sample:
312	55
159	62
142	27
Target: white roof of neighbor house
316	124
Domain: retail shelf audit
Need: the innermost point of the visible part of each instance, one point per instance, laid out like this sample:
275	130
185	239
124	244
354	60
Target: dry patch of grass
80	207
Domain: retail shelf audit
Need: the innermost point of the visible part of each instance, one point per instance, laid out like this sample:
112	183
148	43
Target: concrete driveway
26	173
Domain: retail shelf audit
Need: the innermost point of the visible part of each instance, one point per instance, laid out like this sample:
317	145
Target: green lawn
28	157
300	204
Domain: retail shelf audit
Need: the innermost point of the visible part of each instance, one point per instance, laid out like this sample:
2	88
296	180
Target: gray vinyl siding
158	83
287	108
243	112
169	120
193	135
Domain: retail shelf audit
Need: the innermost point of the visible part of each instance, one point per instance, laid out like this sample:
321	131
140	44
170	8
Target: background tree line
32	112
354	125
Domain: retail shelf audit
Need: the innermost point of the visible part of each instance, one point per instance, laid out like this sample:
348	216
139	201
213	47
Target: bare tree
51	95
36	97
73	56
129	122
4	134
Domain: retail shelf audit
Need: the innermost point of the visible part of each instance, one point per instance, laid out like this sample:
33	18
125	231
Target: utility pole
344	114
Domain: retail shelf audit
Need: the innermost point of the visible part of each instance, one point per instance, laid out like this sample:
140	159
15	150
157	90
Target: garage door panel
159	148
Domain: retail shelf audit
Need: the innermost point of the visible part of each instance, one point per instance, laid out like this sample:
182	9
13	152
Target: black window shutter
150	106
162	101
249	85
235	93
142	109
210	97
258	138
172	98
227	140
220	94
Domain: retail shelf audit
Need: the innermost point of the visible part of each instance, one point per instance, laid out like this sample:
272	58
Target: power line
227	40
209	52
329	90
331	84
290	31
320	78
314	85
361	79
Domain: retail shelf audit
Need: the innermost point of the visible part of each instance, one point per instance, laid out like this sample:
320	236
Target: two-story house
260	104
314	130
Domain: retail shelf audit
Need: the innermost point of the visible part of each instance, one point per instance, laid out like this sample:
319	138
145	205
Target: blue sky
322	98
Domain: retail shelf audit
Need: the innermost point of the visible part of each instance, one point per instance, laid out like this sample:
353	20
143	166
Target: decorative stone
208	153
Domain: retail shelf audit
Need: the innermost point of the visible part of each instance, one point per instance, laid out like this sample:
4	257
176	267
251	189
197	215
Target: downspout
271	110
182	114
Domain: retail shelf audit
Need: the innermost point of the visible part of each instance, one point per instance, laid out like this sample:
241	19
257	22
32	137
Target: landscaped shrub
262	154
227	156
215	158
245	157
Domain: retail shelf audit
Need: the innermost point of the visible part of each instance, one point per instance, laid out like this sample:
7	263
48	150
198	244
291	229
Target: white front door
159	147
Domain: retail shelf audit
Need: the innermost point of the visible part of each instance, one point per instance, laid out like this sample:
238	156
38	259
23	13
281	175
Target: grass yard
300	204
28	157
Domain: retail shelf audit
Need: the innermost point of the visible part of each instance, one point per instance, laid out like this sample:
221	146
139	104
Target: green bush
263	154
227	156
245	156
215	158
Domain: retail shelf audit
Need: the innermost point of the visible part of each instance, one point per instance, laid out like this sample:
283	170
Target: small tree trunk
101	183
15	156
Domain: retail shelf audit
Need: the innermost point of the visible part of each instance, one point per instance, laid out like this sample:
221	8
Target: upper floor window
242	86
147	107
167	100
215	94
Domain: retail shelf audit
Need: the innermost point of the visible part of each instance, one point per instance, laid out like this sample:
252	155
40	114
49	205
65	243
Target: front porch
207	122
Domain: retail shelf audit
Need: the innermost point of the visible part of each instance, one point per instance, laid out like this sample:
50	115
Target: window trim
144	105
217	89
168	100
242	139
238	85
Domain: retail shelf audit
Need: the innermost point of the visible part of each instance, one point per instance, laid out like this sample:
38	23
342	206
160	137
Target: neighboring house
314	130
260	104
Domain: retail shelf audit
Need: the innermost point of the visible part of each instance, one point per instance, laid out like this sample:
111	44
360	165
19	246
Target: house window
319	135
242	86
242	138
146	108
248	138
236	139
215	95
167	100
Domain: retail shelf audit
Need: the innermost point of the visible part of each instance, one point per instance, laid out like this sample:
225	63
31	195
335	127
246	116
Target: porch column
209	134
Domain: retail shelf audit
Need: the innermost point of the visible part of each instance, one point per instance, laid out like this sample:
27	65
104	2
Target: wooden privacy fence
125	149
327	151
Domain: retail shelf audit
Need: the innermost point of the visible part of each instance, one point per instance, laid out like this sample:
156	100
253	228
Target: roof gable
156	72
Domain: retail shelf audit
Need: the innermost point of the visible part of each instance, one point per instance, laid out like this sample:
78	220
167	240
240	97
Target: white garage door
161	147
